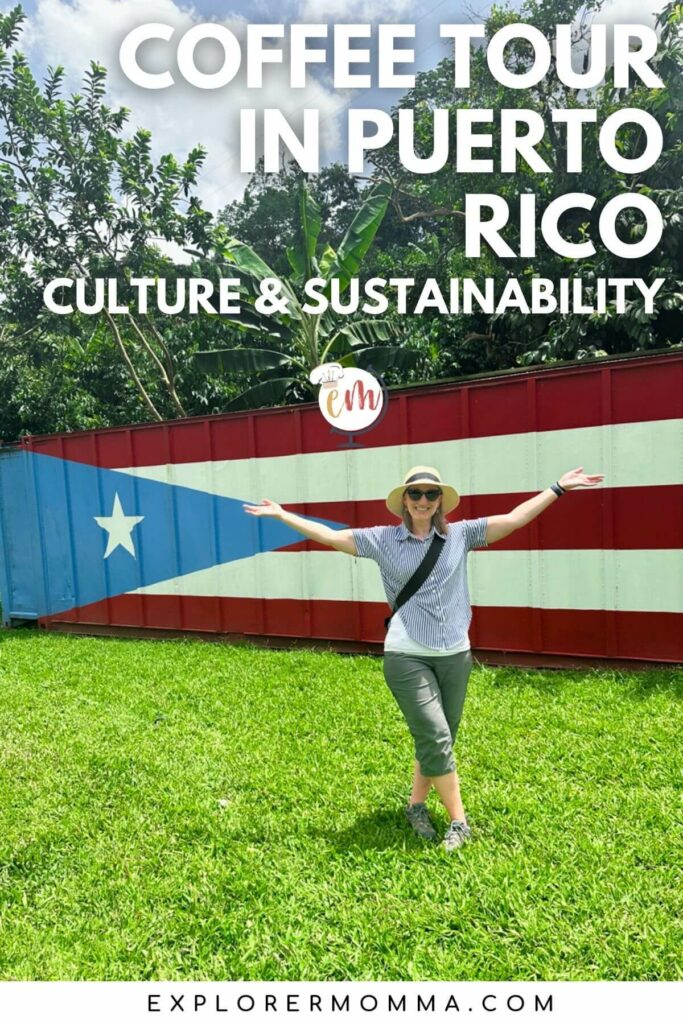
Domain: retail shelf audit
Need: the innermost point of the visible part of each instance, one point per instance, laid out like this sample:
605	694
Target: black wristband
557	489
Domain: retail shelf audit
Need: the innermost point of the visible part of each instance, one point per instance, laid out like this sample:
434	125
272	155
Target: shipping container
141	528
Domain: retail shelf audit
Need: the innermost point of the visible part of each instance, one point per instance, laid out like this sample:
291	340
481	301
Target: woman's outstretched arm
340	540
501	526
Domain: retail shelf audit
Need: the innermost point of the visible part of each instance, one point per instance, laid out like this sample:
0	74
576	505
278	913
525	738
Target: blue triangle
183	530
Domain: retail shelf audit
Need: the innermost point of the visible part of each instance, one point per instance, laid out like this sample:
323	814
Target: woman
427	659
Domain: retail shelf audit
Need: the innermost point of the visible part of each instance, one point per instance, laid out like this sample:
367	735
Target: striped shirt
439	614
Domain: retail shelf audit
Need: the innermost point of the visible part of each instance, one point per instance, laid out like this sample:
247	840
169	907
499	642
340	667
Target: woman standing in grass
427	659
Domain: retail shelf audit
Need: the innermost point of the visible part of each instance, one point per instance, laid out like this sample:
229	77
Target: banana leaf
248	284
360	235
240	360
326	260
368	332
258	323
302	255
247	260
244	263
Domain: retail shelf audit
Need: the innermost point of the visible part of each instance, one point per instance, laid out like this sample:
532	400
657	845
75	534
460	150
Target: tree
635	329
267	216
78	199
304	339
433	205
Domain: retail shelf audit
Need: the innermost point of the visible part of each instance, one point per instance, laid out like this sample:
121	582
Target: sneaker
457	834
419	820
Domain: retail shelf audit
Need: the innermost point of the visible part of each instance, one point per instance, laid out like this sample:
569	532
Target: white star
119	527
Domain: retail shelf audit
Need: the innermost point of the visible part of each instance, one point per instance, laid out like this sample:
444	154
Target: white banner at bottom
34	1002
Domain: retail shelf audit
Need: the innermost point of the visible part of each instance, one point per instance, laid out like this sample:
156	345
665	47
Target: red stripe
656	636
634	390
636	517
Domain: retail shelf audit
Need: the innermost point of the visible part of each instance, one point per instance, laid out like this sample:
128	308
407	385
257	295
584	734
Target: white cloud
370	11
624	12
73	34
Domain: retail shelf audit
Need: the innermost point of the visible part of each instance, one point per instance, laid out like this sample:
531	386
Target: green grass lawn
181	810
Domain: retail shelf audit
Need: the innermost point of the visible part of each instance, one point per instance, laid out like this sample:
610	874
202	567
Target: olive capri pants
431	693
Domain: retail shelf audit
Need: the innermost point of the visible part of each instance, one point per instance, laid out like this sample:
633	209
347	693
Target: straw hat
423	475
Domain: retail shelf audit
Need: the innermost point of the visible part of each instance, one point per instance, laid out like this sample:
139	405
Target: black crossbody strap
419	576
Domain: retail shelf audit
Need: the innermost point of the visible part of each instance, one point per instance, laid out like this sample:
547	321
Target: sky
73	32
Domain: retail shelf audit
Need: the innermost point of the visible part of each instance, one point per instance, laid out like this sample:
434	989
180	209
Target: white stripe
649	581
643	454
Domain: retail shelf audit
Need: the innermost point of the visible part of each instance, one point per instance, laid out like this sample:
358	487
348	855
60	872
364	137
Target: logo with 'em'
351	400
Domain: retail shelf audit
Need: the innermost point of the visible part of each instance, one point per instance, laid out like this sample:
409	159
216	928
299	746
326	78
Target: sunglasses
414	493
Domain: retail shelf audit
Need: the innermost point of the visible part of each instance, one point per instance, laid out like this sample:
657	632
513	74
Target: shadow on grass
383	829
644	684
639	683
25	631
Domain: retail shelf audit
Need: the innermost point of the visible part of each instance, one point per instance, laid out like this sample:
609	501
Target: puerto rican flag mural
143	526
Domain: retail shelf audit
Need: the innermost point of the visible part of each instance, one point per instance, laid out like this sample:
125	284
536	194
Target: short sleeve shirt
439	614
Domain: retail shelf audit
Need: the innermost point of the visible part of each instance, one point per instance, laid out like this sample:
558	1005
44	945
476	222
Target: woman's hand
577	478
340	540
266	508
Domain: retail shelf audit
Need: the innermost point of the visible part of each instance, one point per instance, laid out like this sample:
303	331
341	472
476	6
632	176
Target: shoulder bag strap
419	576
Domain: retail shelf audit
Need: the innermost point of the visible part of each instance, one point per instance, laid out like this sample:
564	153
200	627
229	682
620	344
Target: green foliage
422	234
269	218
179	810
634	330
81	196
78	199
359	237
307	339
302	257
431	206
